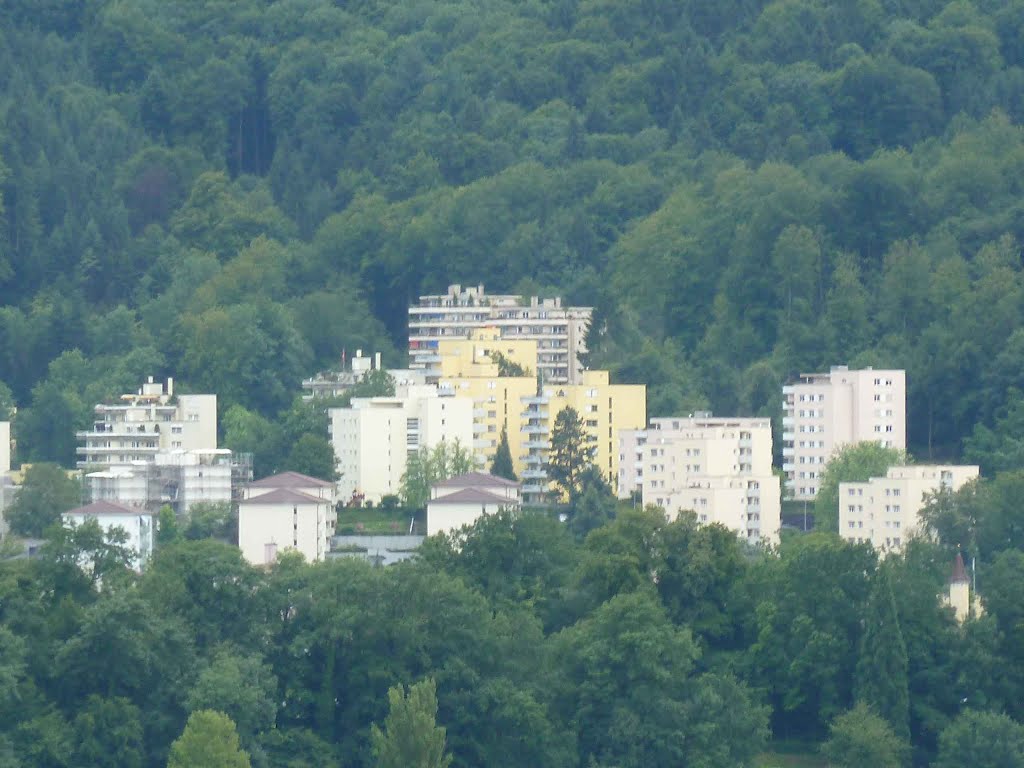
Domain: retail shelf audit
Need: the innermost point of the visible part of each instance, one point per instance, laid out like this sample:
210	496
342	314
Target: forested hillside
234	192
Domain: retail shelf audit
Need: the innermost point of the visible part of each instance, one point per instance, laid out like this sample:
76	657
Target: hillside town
489	373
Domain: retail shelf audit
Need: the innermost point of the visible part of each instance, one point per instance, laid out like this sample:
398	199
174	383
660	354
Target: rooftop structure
560	332
146	422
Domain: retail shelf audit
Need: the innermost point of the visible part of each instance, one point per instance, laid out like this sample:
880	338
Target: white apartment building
718	468
289	511
825	411
137	524
373	437
177	479
631	462
147	422
884	510
560	332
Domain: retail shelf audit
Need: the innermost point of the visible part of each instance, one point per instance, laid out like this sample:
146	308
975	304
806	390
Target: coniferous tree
570	451
502	464
881	676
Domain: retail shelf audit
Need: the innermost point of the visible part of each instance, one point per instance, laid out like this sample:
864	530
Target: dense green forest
646	644
234	192
231	192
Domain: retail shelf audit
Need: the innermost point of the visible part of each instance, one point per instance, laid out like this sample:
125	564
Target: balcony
534	474
534	400
541	444
535	429
534	489
787	421
788	466
533	459
787	451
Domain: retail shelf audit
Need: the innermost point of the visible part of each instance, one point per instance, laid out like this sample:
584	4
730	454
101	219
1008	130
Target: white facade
560	331
373	437
884	510
718	468
177	479
825	411
145	423
289	511
462	500
631	462
138	524
5	447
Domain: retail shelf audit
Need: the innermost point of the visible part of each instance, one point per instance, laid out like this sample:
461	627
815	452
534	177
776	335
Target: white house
138	524
461	500
286	511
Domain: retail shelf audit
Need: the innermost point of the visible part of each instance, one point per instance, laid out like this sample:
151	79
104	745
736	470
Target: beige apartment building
560	332
719	468
145	423
825	411
373	437
884	510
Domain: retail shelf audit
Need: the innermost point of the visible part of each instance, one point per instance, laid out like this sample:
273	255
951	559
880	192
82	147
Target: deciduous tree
411	737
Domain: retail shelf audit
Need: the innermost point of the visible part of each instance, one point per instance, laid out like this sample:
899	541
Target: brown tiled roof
476	480
290	480
474	496
285	496
105	508
959	575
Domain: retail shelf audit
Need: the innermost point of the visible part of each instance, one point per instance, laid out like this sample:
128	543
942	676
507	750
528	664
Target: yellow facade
605	409
529	417
497	403
474	357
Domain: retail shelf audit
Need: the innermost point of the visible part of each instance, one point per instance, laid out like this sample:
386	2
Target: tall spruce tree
502	464
881	676
571	452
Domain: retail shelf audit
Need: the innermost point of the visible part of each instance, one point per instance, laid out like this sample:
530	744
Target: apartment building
884	510
631	463
606	410
289	511
147	422
373	437
718	468
137	524
560	332
177	479
469	368
825	411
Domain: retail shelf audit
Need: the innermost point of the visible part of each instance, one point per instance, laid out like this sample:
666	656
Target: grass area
374	520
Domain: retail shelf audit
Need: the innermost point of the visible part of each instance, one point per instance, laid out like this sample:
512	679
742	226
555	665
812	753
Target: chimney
170	386
377	361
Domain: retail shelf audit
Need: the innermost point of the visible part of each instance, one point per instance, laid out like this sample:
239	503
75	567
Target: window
176	430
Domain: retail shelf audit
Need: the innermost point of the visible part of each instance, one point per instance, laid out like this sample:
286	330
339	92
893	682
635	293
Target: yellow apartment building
467	368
